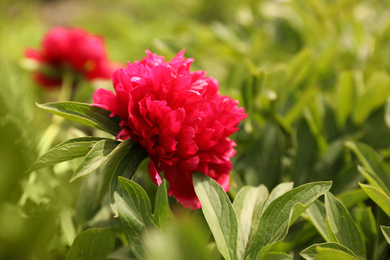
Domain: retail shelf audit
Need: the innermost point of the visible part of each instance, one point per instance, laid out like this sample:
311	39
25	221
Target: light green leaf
375	95
276	256
219	214
377	195
86	114
65	151
374	173
386	233
100	153
317	215
281	213
343	227
278	191
247	205
92	244
320	251
345	97
126	167
162	211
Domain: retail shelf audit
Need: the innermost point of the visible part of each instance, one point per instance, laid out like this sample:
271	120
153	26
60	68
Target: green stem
52	131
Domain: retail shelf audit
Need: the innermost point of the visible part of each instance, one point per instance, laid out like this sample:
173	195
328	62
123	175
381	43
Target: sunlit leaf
377	195
320	251
100	153
317	215
92	244
247	205
281	213
343	226
386	233
86	114
220	215
65	151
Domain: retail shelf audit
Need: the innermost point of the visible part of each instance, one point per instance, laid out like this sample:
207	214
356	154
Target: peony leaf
162	211
100	153
343	227
373	169
276	256
317	215
92	244
86	114
280	214
386	233
378	196
132	226
126	167
328	249
65	151
247	205
220	215
278	191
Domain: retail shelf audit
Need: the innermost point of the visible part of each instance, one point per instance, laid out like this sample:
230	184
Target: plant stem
55	126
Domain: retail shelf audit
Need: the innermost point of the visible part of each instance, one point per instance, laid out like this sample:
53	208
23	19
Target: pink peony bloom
178	117
70	49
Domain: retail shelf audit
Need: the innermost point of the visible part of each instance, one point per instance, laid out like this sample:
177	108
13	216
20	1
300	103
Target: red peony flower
178	117
70	49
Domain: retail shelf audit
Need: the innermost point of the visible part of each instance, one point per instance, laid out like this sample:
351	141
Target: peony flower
178	117
70	49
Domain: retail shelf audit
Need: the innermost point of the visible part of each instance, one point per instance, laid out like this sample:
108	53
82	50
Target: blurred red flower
178	117
70	49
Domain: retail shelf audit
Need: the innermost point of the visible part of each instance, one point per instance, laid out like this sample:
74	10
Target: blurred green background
310	74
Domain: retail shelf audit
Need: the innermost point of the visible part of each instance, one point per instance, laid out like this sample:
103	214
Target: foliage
313	77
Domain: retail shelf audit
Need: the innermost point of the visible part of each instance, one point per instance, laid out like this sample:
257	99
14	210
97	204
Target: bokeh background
310	74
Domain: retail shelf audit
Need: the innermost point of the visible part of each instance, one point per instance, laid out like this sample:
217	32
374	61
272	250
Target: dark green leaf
127	167
86	114
320	250
92	244
65	151
219	214
281	213
386	233
343	227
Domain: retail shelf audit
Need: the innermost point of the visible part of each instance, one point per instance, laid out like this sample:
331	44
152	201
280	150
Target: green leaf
375	95
375	172
278	191
317	251
127	167
352	197
345	97
162	211
377	195
219	214
386	233
65	151
317	215
100	153
247	205
281	213
343	227
132	226
137	199
86	114
92	244
276	256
